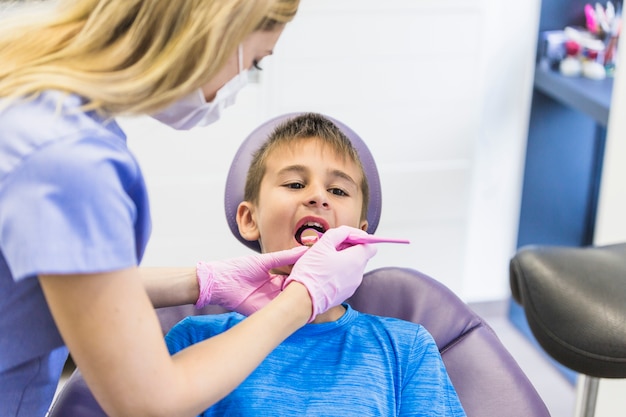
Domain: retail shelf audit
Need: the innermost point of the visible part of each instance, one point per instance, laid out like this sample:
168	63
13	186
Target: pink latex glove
330	271
243	284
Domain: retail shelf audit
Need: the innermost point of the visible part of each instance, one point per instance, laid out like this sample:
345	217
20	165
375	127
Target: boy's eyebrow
302	169
292	168
341	174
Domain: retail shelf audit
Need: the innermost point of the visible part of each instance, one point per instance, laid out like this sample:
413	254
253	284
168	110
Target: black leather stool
575	303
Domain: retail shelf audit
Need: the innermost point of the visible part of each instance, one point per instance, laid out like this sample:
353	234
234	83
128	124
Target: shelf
592	97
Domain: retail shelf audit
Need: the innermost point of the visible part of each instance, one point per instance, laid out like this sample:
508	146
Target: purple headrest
236	180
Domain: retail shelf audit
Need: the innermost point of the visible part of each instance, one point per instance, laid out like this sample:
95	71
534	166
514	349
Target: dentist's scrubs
72	200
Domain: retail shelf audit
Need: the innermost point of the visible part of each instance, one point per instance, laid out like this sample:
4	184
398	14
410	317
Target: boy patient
344	363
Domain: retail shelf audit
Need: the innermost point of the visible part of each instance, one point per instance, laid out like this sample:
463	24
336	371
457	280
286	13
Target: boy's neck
333	314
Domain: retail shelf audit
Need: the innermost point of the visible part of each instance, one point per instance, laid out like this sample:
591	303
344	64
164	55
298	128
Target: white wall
439	89
509	44
611	217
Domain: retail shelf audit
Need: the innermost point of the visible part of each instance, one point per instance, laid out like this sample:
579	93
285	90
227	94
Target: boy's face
305	182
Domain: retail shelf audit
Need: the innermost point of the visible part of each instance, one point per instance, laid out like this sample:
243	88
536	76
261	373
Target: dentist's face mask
193	110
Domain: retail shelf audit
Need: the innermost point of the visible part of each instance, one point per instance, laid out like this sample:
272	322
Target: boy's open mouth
309	233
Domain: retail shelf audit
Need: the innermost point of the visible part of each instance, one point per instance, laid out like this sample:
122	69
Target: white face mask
193	110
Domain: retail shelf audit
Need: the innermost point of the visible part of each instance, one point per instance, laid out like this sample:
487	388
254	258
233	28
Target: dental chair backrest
486	377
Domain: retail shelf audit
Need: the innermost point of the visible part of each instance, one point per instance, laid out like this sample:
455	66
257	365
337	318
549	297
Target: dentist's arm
168	286
112	331
108	322
226	283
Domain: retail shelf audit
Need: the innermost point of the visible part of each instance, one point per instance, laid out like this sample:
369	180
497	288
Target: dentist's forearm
168	286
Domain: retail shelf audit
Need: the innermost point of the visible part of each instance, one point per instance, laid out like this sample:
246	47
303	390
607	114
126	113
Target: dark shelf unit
564	154
590	97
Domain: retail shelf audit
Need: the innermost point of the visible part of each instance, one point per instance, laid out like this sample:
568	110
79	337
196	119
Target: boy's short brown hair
305	126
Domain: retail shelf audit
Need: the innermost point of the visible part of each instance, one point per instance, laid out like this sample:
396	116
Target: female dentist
74	214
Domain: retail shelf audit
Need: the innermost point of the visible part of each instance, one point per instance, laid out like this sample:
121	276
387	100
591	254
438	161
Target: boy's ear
245	221
364	225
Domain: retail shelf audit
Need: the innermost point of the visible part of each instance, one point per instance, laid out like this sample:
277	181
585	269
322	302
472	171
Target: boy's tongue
309	236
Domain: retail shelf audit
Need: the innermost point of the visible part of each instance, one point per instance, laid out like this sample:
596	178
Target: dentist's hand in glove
330	271
244	284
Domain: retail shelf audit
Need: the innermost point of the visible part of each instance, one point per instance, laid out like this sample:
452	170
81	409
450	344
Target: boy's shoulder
203	326
218	320
392	325
407	338
388	321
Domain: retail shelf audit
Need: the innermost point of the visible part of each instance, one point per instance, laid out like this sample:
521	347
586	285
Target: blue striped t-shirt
360	365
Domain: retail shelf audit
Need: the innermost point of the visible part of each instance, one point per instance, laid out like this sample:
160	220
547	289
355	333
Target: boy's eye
255	64
338	191
294	185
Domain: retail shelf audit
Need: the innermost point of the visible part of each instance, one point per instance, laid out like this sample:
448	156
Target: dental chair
486	377
574	299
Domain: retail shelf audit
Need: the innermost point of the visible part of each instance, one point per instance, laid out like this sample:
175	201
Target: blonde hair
128	56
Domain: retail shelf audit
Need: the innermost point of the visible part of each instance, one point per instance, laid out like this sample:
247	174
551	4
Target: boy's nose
317	197
318	202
